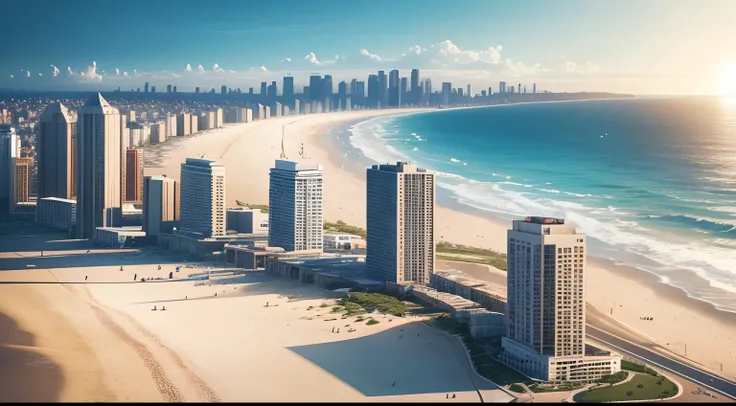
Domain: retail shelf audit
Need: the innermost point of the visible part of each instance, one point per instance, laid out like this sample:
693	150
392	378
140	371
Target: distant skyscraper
264	88
133	175
288	91
160	204
272	91
545	340
295	206
470	91
534	88
202	198
393	88
374	96
400	223
327	91
223	89
196	90
342	94
168	88
446	93
315	88
98	174
145	87
174	89
382	89
415	92
56	152
153	89
403	99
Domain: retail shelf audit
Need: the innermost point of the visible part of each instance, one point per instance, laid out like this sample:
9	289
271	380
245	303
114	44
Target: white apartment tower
98	161
400	218
546	264
295	206
202	198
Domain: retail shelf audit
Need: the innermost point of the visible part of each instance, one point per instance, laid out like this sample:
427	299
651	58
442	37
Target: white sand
249	150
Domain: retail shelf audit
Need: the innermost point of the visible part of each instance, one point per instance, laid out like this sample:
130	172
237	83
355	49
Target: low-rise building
56	212
246	221
339	241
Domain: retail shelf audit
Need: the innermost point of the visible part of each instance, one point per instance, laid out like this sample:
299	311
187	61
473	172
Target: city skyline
478	42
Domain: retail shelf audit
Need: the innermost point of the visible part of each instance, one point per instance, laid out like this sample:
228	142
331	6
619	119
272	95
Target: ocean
651	181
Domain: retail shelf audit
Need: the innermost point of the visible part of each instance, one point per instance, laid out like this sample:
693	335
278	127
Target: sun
727	80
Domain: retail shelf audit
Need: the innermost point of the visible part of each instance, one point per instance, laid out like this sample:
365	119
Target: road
706	379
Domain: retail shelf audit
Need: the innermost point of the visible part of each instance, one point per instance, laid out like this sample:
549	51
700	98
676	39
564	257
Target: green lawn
615	378
563	387
355	302
464	253
633	366
631	391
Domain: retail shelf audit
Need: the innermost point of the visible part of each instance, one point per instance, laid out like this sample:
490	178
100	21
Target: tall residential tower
98	163
56	152
400	223
202	204
295	206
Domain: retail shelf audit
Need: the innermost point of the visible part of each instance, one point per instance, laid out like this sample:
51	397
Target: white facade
546	302
335	241
99	161
295	206
400	223
202	194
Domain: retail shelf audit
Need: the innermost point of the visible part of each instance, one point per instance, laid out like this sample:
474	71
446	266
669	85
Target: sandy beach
76	321
624	293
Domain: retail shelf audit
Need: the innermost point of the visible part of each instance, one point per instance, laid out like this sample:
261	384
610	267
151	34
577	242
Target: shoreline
446	199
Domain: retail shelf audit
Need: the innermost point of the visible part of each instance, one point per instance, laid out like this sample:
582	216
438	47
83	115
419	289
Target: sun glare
727	80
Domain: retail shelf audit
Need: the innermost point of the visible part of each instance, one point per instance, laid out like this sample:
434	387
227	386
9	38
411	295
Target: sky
654	47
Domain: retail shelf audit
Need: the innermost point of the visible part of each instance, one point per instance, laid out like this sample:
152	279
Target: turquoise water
652	181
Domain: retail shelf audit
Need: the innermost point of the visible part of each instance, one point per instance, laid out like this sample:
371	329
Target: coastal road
714	382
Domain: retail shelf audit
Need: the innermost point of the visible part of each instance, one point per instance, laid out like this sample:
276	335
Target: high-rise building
288	91
22	181
534	88
264	88
403	99
218	118
202	198
546	265
160	204
196	90
315	88
133	175
393	88
98	174
145	87
295	206
446	93
56	152
9	152
470	92
327	92
416	95
382	89
373	91
183	124
168	88
400	223
223	89
272	90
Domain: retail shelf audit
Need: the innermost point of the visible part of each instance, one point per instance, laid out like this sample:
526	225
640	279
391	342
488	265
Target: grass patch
633	366
515	387
500	374
323	305
261	207
464	253
372	322
614	378
563	387
341	227
640	387
370	302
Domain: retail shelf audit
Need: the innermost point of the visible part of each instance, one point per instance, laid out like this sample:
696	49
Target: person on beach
85	277
135	277
159	267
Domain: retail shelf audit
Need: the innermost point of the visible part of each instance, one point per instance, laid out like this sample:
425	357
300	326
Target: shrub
372	322
517	388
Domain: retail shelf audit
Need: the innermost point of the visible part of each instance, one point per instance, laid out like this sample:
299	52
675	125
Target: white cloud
286	60
40	74
11	76
91	74
216	68
263	69
69	70
188	68
125	74
28	73
135	72
519	69
365	53
311	58
54	71
117	71
200	69
587	67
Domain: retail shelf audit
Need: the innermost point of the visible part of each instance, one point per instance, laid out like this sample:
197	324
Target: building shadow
418	364
25	375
